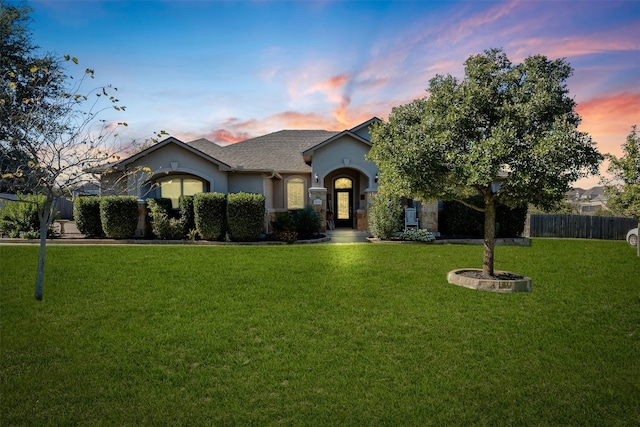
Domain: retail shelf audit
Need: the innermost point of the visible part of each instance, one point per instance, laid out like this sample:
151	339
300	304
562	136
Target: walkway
347	235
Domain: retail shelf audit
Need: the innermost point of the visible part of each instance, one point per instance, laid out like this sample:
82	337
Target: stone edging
493	285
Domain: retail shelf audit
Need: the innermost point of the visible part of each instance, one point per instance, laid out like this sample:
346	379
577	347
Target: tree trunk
489	235
638	241
41	256
46	219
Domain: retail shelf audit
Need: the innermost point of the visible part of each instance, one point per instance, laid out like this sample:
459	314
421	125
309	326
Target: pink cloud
298	120
224	136
471	26
624	39
608	119
331	83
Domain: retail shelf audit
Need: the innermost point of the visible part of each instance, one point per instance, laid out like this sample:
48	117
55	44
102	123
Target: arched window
172	187
295	193
343	183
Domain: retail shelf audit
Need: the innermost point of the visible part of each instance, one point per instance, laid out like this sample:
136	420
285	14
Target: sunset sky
231	70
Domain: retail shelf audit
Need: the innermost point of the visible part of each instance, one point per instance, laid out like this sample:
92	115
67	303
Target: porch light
376	178
316	178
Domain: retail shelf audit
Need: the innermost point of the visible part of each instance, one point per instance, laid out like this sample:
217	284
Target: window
295	193
343	183
174	187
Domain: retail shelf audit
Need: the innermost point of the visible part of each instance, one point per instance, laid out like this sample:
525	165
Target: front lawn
356	334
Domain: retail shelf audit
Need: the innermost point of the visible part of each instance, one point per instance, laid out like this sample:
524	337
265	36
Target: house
587	202
293	169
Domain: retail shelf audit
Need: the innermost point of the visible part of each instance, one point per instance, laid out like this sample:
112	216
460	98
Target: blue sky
231	70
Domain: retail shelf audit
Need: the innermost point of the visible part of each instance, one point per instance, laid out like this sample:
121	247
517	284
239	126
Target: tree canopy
507	132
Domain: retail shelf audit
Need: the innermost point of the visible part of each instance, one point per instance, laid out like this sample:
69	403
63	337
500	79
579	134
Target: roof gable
353	133
176	141
308	153
366	124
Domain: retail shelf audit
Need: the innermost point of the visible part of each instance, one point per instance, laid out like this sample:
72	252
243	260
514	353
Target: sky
231	70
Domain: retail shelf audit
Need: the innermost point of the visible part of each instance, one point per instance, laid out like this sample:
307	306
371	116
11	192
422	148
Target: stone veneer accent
428	218
319	193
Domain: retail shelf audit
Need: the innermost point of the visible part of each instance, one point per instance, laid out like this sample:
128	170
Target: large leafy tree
507	132
623	189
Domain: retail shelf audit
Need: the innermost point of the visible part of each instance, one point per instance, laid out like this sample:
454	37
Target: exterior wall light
316	178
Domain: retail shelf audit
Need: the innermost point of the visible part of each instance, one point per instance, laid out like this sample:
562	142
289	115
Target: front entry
343	196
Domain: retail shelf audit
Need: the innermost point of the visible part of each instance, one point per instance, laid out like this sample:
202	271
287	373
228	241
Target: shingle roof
210	148
279	151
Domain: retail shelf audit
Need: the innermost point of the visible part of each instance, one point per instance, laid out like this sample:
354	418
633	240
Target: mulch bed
477	274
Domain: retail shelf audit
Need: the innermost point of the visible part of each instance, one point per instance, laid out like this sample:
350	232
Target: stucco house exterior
293	169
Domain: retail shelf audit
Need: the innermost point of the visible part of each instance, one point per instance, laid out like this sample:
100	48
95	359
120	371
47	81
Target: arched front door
343	199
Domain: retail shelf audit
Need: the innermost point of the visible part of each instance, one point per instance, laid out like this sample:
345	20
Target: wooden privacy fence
64	206
578	226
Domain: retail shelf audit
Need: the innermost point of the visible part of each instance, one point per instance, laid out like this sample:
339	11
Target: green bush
119	216
210	212
162	226
19	218
164	203
246	216
457	219
420	235
186	213
306	222
86	213
283	222
385	216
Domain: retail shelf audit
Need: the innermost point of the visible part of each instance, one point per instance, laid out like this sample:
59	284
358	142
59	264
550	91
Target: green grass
355	334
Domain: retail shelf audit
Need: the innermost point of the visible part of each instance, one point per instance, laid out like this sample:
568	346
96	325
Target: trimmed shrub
86	213
119	216
186	213
246	216
283	222
209	212
164	203
19	218
306	222
162	226
459	220
385	216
